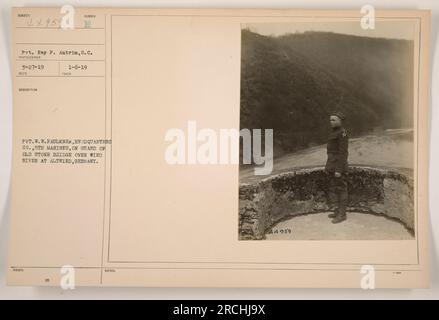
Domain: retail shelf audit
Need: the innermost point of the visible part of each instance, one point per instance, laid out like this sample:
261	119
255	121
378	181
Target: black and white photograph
340	100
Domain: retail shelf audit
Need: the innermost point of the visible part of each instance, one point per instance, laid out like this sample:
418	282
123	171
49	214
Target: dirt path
358	226
392	149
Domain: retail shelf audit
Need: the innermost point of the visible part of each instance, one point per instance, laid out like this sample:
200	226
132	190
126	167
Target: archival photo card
220	148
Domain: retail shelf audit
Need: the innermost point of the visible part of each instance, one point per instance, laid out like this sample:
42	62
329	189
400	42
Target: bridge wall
305	191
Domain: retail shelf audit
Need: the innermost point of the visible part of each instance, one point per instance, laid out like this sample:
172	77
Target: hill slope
291	84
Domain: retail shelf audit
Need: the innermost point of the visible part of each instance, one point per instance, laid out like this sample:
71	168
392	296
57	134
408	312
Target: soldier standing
337	164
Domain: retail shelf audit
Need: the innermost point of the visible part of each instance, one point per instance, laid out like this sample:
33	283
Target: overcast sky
383	29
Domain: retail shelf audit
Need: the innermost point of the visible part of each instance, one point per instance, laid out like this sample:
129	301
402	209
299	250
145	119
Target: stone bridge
276	198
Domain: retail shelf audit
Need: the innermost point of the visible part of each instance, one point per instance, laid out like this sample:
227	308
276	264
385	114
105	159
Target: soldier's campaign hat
339	114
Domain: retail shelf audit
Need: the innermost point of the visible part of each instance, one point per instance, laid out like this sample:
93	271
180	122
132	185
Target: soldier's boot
342	204
334	214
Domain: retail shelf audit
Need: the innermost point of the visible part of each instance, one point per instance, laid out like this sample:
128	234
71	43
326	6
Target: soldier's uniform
337	151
